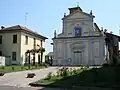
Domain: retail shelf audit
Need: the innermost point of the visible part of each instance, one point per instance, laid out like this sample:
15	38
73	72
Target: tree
41	50
28	52
33	51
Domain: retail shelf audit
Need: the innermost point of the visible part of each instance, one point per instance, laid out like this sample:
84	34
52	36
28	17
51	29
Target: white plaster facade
88	48
7	46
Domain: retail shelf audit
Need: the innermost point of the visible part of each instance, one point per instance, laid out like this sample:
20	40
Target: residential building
16	40
81	41
112	48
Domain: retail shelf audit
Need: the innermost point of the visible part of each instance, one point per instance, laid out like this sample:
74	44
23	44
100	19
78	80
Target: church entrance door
77	58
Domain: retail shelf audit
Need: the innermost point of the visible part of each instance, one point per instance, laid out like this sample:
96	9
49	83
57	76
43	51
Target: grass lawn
48	81
17	68
101	77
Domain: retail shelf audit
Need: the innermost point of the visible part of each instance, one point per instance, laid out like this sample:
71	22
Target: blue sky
44	16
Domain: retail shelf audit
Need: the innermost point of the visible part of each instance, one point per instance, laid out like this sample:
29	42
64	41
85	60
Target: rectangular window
26	40
0	39
14	56
14	38
77	32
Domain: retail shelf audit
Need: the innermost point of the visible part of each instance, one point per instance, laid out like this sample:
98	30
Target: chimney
2	27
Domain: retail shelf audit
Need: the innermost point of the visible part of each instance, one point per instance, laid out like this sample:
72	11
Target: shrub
13	68
87	66
105	65
22	68
76	71
118	65
49	76
36	65
70	72
63	72
3	67
58	73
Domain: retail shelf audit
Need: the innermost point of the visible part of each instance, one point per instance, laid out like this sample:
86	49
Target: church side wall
59	52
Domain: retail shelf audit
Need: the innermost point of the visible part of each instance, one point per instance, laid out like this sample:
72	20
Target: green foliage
22	68
77	77
118	65
63	72
13	68
49	76
2	67
36	65
16	68
105	65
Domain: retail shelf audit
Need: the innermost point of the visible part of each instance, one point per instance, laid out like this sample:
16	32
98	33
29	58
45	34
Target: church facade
81	41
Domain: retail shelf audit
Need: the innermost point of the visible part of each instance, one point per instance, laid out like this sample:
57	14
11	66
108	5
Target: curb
50	85
69	87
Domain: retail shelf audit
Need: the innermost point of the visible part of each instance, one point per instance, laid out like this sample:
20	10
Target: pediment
78	15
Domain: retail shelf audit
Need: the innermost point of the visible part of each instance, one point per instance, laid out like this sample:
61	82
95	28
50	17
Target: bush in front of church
105	65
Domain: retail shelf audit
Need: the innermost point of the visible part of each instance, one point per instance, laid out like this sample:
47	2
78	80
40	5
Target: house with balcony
16	40
82	42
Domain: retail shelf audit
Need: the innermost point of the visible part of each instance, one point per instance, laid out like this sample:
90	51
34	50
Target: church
81	41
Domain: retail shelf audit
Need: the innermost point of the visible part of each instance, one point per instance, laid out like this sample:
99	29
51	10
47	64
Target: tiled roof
110	34
23	29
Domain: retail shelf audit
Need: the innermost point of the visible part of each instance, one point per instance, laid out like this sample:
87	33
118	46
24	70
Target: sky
44	16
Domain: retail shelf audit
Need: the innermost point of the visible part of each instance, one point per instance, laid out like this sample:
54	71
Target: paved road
19	78
40	88
26	88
